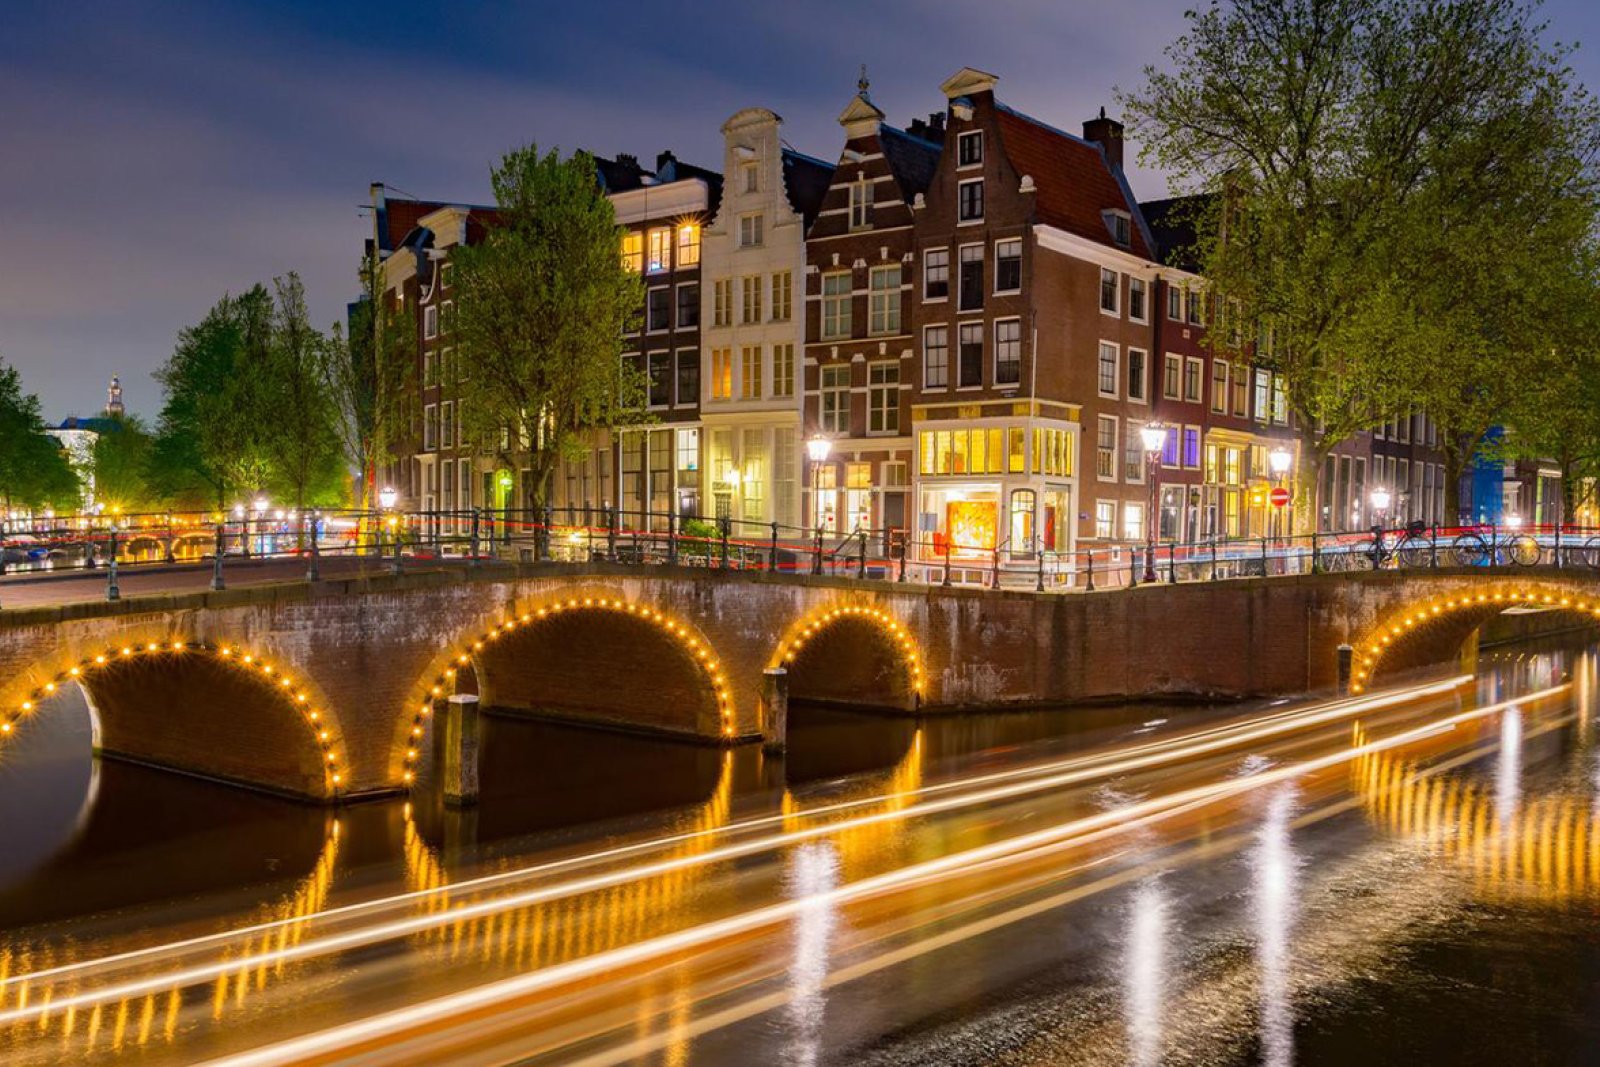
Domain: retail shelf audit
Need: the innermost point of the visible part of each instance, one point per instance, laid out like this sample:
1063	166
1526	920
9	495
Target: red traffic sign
1280	497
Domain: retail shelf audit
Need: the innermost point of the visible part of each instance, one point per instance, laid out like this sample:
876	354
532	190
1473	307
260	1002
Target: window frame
927	349
973	327
842	319
1011	321
962	218
928	298
890	297
887	391
999	259
1115	393
1115	310
963	139
1143	377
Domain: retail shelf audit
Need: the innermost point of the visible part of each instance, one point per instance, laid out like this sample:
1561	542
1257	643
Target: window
1193	374
970	370
1219	386
835	412
430	428
750	309
430	368
689	306
1241	394
969	149
689	245
1008	352
1022	520
1263	394
1171	376
633	251
836	305
688	377
660	379
750	230
883	398
1105	452
1191	447
447	317
884	306
1280	401
750	173
750	372
936	274
971	277
1108	291
1053	452
721	373
860	203
1193	304
722	302
1008	266
1174	303
1133	522
1121	227
1133	458
430	322
1105	519
783	369
1136	294
660	250
935	357
658	309
979	451
447	425
1108	369
1137	373
970	201
782	296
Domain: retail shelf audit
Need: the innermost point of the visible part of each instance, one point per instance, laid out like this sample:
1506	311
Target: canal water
1341	939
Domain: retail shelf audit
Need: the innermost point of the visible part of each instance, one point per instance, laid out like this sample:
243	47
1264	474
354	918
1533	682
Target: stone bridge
328	690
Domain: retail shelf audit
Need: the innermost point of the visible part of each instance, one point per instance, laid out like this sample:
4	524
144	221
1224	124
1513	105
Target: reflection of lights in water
1508	773
813	873
1143	973
1275	867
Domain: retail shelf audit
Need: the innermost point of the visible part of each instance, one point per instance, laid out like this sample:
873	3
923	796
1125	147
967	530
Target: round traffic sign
1280	497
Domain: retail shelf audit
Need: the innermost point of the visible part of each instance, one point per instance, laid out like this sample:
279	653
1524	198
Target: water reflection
813	872
1144	971
1275	869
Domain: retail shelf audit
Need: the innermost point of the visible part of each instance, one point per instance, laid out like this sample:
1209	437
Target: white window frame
1115	310
962	140
926	348
430	322
752	227
1116	370
926	252
662	235
844	323
889	392
1145	285
889	296
995	370
1116	440
997	257
961	218
1127	379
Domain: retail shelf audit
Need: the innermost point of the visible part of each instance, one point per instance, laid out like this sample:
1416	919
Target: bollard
216	562
774	710
112	592
461	725
1346	657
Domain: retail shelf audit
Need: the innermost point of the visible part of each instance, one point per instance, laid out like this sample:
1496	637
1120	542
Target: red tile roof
1074	181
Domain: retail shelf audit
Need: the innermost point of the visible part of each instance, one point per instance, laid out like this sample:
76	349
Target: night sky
155	156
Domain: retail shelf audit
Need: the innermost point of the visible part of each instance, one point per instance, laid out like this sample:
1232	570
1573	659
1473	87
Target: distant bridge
329	690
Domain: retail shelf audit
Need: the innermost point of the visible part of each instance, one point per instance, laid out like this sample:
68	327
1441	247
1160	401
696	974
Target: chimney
1107	133
665	160
929	129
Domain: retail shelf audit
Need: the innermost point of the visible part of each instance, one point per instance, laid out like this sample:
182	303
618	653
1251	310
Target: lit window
689	245
660	250
1105	519
721	373
1133	522
783	369
633	251
750	372
1105	453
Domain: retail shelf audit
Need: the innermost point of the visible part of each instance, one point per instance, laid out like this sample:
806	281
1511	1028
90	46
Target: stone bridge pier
333	691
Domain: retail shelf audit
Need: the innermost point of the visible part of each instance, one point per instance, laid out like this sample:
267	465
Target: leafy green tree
1350	150
120	463
541	306
34	472
297	411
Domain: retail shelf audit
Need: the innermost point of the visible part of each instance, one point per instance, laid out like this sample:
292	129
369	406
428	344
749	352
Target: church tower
114	398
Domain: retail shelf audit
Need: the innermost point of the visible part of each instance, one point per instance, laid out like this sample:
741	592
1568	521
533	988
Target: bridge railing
395	540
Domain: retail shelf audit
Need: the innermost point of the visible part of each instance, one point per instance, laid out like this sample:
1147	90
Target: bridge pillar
1347	657
774	709
460	755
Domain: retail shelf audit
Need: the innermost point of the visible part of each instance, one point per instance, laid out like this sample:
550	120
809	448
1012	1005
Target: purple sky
154	156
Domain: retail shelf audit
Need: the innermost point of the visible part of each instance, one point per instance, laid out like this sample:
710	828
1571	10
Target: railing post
1213	559
612	519
1433	548
945	582
1089	585
994	569
1558	545
1133	568
542	537
1316	554
816	552
216	561
1264	564
861	555
1038	581
1172	564
472	544
394	534
905	546
672	537
772	549
724	526
112	592
313	568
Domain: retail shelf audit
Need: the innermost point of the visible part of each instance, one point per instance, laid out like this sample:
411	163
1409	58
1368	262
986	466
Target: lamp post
1279	460
817	449
258	509
387	498
1153	436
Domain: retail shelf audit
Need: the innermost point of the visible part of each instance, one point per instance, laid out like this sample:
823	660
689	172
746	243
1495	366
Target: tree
34	473
120	462
541	306
1349	151
297	411
372	379
211	438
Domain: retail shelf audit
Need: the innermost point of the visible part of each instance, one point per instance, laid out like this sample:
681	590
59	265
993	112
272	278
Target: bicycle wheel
1590	553
1414	552
1469	550
1523	551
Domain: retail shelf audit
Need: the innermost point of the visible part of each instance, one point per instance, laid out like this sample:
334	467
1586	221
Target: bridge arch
525	661
1434	629
156	701
840	651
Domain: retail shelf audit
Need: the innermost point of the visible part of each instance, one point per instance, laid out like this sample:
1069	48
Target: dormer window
860	203
969	149
1120	223
750	174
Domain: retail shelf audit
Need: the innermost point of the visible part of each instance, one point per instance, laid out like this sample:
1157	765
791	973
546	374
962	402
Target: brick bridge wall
342	678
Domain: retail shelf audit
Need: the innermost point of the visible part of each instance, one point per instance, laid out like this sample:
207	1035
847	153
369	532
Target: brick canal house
752	323
861	353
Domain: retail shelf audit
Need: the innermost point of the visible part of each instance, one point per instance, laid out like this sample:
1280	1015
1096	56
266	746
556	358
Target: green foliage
541	306
1394	190
120	462
300	441
34	473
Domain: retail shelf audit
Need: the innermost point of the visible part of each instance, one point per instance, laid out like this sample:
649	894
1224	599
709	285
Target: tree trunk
1308	481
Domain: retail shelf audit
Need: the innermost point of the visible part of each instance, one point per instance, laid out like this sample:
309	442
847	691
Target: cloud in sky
154	156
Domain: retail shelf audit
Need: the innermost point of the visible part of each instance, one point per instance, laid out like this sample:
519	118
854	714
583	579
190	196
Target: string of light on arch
696	646
241	659
814	623
1376	643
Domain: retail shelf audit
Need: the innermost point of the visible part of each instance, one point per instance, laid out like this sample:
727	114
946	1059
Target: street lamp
387	498
1279	460
817	450
1153	436
1380	503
